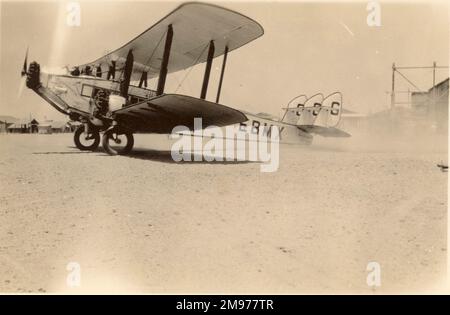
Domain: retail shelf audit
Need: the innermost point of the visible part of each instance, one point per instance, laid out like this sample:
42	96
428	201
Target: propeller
23	75
24	69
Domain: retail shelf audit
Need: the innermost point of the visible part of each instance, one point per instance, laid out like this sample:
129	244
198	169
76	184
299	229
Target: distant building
50	126
24	126
396	121
45	128
60	127
73	125
33	126
428	114
419	102
5	122
432	106
438	112
4	125
17	128
352	121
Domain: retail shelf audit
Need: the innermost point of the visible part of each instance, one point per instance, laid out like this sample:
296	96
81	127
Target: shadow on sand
166	157
99	149
66	152
151	155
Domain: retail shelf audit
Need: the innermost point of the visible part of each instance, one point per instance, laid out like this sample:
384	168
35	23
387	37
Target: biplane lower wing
162	113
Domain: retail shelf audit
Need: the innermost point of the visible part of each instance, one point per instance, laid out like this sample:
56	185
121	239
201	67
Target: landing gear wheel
117	143
86	143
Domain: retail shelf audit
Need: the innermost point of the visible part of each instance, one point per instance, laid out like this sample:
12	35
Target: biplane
110	95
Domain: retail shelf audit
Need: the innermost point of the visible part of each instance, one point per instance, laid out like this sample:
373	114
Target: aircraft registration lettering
255	126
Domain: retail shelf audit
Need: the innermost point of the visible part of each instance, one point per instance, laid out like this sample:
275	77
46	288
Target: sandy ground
145	224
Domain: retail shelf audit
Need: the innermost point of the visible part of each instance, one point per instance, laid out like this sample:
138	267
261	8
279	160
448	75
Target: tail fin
316	115
330	112
291	117
314	111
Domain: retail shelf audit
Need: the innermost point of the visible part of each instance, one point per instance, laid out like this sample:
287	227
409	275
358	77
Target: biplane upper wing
162	113
194	26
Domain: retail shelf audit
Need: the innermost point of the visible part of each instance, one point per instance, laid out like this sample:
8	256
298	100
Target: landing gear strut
117	142
86	142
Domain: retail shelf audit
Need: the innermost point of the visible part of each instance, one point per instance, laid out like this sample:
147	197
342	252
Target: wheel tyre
109	135
80	133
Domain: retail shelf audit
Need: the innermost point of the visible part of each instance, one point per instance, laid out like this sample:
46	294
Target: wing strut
221	73
207	70
111	71
125	84
143	79
165	61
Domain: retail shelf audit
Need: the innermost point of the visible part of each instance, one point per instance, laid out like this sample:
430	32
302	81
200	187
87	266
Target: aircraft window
95	92
75	71
87	90
87	70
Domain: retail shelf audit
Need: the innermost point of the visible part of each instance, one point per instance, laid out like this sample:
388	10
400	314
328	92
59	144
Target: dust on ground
143	223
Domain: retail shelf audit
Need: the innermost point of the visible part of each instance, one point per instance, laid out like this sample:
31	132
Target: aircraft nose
33	75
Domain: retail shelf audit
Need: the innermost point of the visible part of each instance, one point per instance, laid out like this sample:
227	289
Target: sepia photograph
224	148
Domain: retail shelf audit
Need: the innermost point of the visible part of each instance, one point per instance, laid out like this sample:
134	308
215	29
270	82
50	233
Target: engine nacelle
33	75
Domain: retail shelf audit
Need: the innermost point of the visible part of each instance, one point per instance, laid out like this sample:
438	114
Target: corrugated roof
53	124
8	119
16	126
58	124
438	84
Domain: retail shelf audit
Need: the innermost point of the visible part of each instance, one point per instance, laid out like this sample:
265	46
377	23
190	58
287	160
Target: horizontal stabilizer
325	131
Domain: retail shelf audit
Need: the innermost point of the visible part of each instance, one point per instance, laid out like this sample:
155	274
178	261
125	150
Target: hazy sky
307	48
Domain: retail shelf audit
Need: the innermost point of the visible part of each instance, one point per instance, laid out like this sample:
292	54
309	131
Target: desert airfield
145	224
